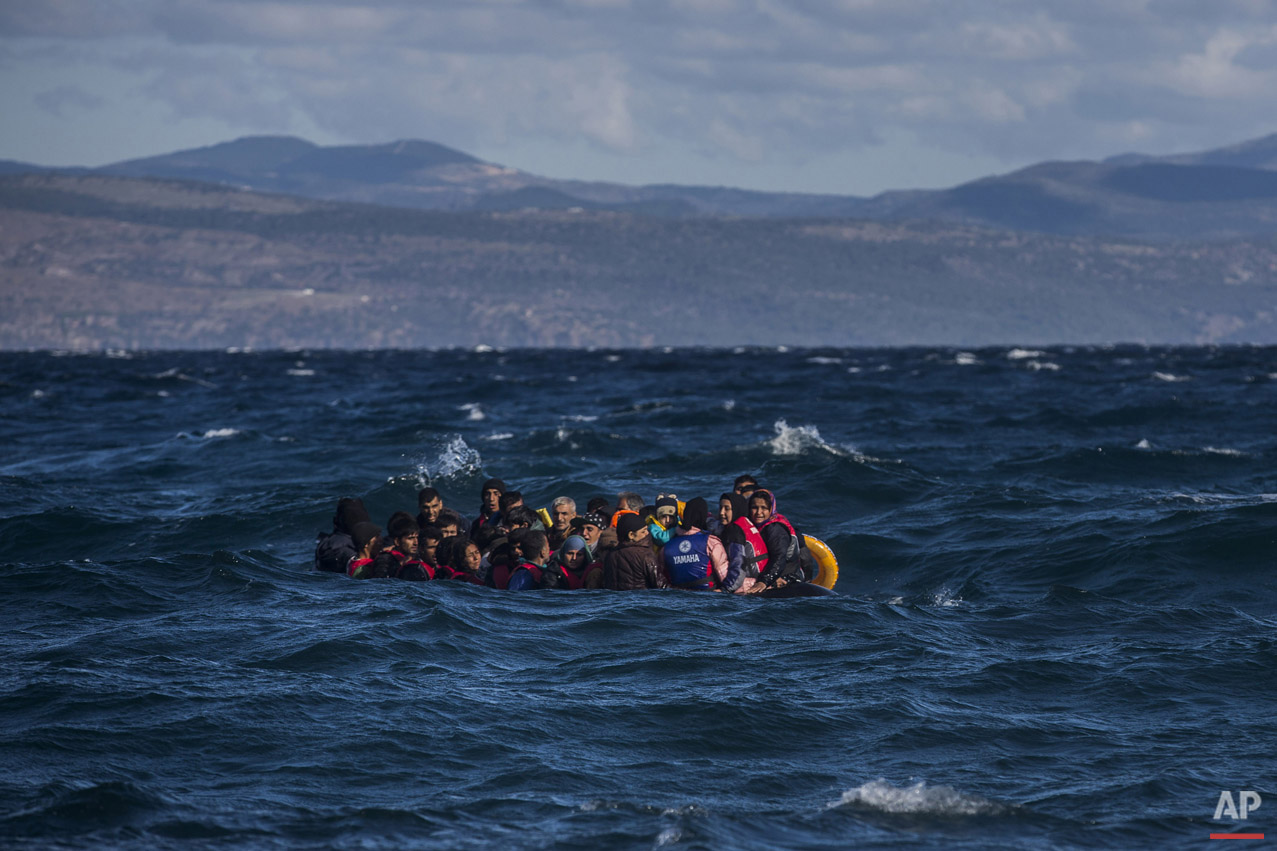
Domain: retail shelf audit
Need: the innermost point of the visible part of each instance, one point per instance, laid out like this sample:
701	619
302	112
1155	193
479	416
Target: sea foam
918	798
795	440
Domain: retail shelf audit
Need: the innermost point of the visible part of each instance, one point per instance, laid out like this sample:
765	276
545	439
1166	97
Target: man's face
746	488
642	536
449	530
759	511
491	499
430	510
407	544
428	550
591	533
562	517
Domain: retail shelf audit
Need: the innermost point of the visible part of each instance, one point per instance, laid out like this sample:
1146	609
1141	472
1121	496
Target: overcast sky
845	96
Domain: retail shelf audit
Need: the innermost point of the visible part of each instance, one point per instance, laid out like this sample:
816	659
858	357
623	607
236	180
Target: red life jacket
445	571
501	576
576	582
755	540
405	561
534	569
355	563
793	553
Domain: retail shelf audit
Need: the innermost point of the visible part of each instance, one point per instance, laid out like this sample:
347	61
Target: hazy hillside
1222	194
93	262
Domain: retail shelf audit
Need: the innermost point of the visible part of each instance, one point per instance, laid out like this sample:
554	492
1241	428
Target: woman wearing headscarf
784	545
742	542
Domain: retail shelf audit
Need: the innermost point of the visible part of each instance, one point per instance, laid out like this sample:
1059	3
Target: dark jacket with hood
335	549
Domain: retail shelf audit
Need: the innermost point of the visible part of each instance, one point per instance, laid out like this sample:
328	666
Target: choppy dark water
1056	622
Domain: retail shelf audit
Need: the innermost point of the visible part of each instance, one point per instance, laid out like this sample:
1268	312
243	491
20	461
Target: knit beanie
628	524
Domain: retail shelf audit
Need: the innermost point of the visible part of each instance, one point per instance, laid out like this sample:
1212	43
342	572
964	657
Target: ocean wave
455	459
918	799
797	440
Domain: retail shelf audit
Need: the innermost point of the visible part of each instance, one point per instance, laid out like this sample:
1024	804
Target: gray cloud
60	99
750	80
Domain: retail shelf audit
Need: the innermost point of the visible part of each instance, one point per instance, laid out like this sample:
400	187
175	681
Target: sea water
1056	621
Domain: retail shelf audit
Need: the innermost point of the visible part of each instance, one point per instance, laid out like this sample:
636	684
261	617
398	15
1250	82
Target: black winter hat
628	524
492	483
363	533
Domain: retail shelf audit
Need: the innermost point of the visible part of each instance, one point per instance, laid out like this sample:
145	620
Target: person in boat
598	533
562	513
742	541
505	557
459	558
663	522
450	523
632	565
489	505
335	549
693	558
627	502
570	567
367	538
429	506
398	556
530	572
521	517
466	560
784	543
745	485
509	500
428	539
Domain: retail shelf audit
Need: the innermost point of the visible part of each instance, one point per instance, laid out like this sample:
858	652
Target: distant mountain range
1226	193
94	262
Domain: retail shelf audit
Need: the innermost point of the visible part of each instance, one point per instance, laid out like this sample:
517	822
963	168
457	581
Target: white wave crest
1223	450
918	798
1039	365
474	412
796	440
1024	354
456	457
824	360
501	435
1166	376
214	433
946	598
1144	444
965	359
301	372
